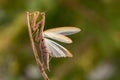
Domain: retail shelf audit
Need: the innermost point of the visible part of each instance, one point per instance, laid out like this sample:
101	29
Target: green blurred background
96	48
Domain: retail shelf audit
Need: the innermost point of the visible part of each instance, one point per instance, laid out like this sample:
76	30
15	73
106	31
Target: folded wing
58	37
64	30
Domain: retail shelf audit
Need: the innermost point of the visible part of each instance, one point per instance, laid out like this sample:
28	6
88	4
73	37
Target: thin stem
43	21
35	51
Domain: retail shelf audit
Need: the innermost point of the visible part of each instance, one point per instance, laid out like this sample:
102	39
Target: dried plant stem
35	51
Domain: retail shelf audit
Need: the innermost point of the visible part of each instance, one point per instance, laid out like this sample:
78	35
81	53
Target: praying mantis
47	46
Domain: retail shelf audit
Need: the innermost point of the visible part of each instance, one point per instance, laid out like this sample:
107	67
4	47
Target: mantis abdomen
44	51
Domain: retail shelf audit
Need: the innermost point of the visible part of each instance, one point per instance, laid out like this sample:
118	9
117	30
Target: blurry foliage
98	42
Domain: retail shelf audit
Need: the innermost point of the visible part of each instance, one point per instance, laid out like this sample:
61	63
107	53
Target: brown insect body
44	51
38	28
43	48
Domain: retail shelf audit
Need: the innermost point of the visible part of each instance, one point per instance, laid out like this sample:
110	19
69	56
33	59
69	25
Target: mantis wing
64	30
57	37
57	50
